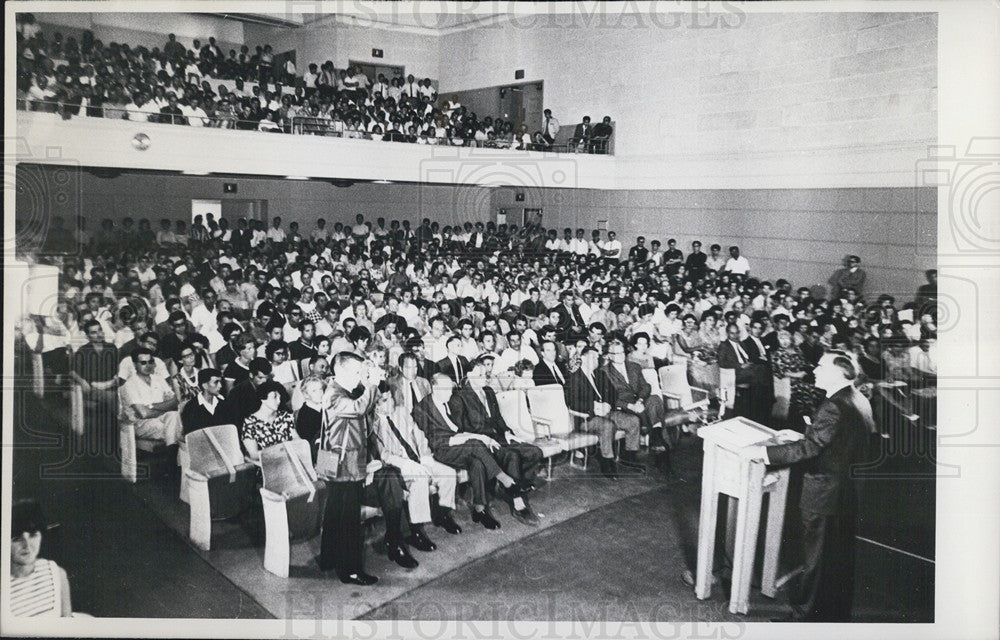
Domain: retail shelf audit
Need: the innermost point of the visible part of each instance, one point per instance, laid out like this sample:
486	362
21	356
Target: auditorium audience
174	85
449	317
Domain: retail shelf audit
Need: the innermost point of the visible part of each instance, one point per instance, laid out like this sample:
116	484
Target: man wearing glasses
147	402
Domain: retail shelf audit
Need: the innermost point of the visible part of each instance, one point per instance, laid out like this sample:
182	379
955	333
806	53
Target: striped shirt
37	594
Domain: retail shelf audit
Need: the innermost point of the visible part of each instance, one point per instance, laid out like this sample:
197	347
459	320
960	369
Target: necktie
406	445
596	390
486	405
459	374
741	355
547	126
413	397
556	374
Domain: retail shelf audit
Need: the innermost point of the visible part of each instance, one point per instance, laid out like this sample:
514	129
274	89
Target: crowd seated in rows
174	85
443	330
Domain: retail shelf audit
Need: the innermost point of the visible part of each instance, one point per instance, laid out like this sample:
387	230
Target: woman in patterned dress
270	424
185	381
787	361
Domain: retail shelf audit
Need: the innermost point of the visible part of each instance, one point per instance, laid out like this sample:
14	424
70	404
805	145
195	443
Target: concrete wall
753	87
46	191
797	234
417	53
147	29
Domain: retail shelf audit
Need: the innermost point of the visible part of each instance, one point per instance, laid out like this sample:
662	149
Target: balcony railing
312	126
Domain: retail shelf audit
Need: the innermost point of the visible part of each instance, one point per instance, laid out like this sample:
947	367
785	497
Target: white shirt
738	265
445	413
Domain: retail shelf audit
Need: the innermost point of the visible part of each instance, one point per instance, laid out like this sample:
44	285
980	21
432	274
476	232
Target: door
372	71
531	217
233	210
205	207
532	105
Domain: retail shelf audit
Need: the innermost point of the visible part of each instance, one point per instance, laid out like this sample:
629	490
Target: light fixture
189	172
383	181
296	177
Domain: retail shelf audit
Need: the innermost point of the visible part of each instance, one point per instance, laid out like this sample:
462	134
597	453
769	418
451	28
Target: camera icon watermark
47	191
969	189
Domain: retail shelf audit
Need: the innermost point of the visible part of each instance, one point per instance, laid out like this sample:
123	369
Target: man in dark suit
476	410
632	394
549	370
408	387
582	134
469	451
760	358
571	324
425	367
592	399
836	440
242	399
751	392
454	365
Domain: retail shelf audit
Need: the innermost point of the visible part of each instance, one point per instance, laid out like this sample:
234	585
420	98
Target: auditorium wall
737	94
146	29
46	191
797	234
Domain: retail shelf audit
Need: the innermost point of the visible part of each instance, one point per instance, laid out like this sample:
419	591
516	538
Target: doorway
516	103
233	210
204	208
372	70
531	217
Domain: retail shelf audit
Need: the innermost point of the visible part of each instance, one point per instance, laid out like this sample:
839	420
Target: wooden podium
726	472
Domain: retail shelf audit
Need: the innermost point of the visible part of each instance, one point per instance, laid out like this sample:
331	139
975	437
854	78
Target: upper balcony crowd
174	85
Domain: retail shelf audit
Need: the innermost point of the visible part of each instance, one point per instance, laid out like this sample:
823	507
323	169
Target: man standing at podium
836	440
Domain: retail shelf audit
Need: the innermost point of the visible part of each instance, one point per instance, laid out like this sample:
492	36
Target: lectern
726	472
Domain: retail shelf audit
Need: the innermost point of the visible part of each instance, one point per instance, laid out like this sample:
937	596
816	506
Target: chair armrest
544	421
672	396
194	476
577	414
271	496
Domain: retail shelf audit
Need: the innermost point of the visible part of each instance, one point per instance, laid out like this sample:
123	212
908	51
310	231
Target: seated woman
270	424
37	587
691	342
185	381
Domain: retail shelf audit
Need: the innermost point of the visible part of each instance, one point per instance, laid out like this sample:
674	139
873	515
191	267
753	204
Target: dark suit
753	395
542	374
446	367
581	396
473	456
835	441
241	402
568	318
761	361
519	459
629	390
195	416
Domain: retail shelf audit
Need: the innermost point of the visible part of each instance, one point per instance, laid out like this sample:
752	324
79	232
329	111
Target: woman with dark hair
270	424
37	587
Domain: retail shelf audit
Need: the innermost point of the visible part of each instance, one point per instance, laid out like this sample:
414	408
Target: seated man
549	370
476	410
467	451
454	364
593	401
242	399
94	368
203	410
408	387
148	403
404	446
632	395
752	377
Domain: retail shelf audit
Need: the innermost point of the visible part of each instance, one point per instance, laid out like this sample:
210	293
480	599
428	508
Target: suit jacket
401	392
581	396
543	374
408	430
626	391
241	402
345	412
727	357
583	131
446	367
754	352
469	413
432	423
836	440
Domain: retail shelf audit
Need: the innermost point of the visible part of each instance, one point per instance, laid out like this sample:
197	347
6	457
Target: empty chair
548	407
220	481
514	409
685	404
294	500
